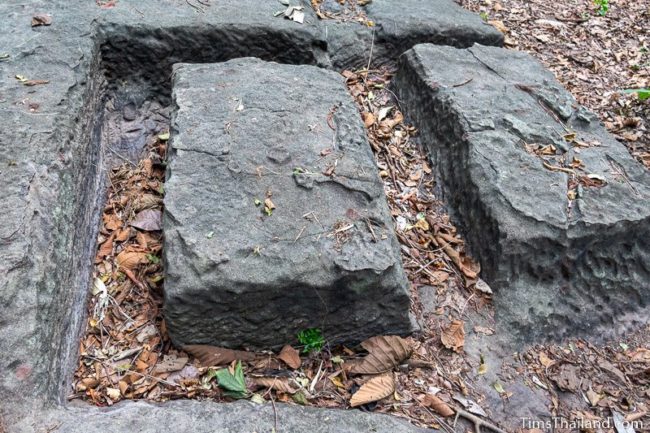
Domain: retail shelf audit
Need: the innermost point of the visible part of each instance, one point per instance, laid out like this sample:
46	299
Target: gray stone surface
327	257
401	25
52	163
556	271
206	417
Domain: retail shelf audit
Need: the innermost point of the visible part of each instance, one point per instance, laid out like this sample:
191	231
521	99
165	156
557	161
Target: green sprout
603	7
312	340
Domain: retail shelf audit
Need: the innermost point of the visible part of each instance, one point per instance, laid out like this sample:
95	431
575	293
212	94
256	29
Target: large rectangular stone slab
245	134
563	255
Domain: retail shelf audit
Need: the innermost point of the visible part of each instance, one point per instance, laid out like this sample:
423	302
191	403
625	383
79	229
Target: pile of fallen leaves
597	57
434	256
431	244
124	340
610	381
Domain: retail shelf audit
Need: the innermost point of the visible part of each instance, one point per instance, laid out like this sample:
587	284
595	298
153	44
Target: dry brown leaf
141	365
146	201
141	239
41	20
130	259
375	389
123	386
437	405
105	249
368	118
170	363
499	26
393	121
545	360
611	368
111	221
453	337
640	355
567	379
123	235
210	356
441	276
281	384
468	267
384	354
290	356
148	220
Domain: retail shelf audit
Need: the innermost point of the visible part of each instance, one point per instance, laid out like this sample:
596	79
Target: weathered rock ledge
565	245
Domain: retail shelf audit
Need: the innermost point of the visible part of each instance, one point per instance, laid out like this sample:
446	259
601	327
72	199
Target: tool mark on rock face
619	170
348	184
485	64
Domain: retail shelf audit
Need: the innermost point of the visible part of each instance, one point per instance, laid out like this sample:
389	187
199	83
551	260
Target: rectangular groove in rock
135	46
275	216
548	241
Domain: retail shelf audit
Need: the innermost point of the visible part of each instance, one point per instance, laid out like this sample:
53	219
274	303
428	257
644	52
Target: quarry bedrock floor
101	59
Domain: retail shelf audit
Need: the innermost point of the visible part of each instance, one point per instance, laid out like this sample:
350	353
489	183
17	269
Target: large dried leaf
170	363
146	201
123	235
453	337
111	221
375	389
567	377
384	354
437	405
130	259
290	356
210	356
105	249
468	267
148	220
368	119
281	384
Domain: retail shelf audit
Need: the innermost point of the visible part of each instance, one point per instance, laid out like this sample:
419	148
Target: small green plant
603	7
484	16
312	340
643	94
233	385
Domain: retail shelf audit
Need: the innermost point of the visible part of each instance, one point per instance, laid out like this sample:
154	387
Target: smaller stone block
276	219
557	211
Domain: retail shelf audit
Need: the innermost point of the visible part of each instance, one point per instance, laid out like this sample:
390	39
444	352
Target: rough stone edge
462	196
210	417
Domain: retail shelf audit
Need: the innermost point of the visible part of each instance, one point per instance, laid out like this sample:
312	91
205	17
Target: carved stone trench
131	70
131	78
